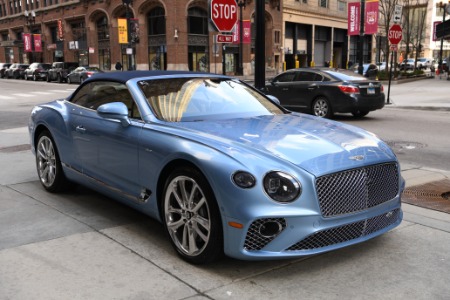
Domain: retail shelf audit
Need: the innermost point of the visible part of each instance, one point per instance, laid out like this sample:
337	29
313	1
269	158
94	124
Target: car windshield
92	69
197	99
345	75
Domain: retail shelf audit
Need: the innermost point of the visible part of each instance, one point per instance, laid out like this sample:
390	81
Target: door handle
80	129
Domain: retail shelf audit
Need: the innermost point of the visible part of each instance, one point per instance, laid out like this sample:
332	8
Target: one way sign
397	13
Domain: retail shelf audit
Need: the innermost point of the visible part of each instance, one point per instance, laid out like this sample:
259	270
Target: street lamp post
361	39
127	4
30	18
241	4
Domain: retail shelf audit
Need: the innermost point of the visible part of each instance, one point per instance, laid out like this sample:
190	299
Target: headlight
244	180
281	187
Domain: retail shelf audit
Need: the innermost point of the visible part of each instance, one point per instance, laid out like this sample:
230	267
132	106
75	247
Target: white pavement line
24	95
15	130
42	93
6	97
59	91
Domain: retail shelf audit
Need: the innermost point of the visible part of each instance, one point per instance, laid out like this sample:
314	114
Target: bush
384	75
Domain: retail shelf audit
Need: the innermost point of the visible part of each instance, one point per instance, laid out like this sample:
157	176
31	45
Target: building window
197	21
323	3
156	22
276	37
342	5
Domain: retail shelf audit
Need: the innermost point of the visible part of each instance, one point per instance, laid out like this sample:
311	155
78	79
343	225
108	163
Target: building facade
166	34
316	34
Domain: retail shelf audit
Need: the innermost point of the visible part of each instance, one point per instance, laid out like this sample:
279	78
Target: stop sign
395	34
224	14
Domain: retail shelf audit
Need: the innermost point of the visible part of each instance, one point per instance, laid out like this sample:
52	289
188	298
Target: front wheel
48	164
191	216
321	108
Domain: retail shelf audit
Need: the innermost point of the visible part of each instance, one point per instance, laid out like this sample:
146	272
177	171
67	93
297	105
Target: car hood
318	145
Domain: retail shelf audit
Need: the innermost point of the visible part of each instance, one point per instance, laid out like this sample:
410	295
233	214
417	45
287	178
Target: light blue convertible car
225	168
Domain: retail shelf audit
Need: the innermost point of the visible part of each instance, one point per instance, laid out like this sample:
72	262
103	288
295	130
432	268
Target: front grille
346	232
358	189
254	240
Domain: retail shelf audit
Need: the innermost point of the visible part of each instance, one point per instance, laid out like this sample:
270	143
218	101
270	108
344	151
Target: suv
407	64
37	71
59	71
424	63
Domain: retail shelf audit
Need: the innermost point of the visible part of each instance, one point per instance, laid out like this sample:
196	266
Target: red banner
371	20
37	42
27	42
60	30
354	15
246	32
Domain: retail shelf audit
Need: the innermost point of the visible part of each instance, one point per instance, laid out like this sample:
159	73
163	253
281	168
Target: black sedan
325	91
80	74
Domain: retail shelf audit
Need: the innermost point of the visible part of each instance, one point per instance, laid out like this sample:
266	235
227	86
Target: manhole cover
434	195
16	148
403	145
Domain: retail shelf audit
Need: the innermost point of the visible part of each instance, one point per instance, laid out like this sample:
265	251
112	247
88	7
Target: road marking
42	93
6	97
60	91
24	95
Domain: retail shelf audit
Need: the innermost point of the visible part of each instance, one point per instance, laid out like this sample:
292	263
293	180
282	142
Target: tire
191	217
34	77
48	78
321	108
48	164
360	113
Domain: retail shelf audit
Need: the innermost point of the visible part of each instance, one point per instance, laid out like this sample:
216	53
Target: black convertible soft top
124	76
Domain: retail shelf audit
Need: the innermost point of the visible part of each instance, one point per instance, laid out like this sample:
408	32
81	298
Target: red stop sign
224	14
395	34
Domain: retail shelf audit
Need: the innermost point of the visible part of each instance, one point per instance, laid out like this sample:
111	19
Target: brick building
170	34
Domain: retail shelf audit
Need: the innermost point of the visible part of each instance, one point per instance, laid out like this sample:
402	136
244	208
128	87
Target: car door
280	86
303	90
108	150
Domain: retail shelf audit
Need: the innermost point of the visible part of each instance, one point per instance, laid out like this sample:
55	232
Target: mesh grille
358	189
255	240
347	232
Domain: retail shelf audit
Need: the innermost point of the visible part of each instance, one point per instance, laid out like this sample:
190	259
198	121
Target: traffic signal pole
361	39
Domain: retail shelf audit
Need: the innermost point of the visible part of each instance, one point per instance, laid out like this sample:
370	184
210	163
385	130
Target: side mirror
274	99
115	111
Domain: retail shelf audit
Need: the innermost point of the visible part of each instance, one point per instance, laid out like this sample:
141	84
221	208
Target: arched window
156	21
104	54
197	21
157	51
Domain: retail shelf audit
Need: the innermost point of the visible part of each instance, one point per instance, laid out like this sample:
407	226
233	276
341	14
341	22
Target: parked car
221	165
16	71
3	68
424	63
60	70
37	71
324	91
80	74
407	64
369	70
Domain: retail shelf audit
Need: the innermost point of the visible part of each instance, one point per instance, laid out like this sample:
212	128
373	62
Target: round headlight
281	187
244	180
